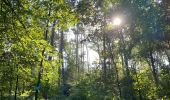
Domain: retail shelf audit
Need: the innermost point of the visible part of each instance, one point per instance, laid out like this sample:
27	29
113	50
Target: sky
92	54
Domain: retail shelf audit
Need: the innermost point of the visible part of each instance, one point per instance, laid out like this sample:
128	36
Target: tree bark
104	56
153	67
104	49
61	47
116	71
16	88
77	51
41	62
39	77
124	55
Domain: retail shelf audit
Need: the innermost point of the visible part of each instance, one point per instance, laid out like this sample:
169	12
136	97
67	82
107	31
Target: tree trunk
41	62
61	47
10	89
52	37
104	50
39	78
116	71
104	56
87	53
153	67
16	88
77	52
124	55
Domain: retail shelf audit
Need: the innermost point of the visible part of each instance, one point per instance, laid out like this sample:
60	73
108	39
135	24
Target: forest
84	49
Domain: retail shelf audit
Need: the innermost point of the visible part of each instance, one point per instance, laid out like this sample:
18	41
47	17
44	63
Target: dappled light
84	49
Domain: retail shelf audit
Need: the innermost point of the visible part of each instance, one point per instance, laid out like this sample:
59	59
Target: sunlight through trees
85	49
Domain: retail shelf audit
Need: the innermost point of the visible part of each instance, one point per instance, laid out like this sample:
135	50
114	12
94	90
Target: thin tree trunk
61	47
117	78
52	37
1	95
154	72
10	89
83	53
41	62
125	64
39	77
87	50
16	88
116	71
16	85
104	50
10	83
77	53
104	56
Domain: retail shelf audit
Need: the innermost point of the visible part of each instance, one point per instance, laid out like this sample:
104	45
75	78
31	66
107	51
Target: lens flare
117	21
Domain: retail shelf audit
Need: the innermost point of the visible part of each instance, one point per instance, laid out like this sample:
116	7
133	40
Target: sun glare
117	21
